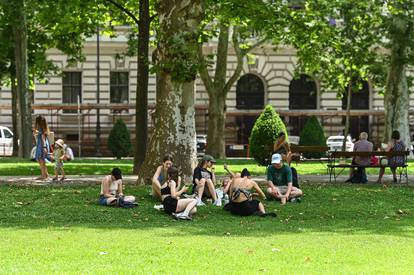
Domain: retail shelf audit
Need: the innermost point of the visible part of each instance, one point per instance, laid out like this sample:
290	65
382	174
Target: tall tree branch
239	55
119	6
203	69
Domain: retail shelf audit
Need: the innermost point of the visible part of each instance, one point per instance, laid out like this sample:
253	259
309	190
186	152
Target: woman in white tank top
111	189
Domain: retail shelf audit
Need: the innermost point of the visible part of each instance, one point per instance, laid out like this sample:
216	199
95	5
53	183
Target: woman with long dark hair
41	133
396	144
180	208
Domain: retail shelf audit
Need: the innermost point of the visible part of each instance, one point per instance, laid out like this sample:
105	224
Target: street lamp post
98	119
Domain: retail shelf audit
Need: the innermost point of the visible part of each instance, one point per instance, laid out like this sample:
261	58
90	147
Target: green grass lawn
336	229
19	167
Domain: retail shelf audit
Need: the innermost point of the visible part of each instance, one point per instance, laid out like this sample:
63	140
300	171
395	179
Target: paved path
96	179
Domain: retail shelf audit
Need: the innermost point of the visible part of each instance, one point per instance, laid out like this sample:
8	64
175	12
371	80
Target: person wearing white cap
279	181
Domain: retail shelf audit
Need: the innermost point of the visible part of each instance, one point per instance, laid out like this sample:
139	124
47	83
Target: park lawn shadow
330	209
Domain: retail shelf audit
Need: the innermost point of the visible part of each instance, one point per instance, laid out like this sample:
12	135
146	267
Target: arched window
359	101
302	96
250	92
302	93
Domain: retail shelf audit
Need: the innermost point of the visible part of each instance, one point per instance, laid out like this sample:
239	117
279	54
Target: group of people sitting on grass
239	192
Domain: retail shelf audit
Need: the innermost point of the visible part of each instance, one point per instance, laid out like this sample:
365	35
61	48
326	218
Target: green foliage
119	141
312	134
264	134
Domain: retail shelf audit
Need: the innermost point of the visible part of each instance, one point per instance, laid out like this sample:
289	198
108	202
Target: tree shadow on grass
326	209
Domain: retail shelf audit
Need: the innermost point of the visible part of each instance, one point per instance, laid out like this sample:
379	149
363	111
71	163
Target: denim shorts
102	200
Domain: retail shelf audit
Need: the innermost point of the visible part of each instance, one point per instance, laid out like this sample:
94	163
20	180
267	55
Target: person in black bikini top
179	208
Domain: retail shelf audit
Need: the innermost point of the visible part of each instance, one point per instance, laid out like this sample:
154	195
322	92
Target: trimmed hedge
312	134
119	141
264	133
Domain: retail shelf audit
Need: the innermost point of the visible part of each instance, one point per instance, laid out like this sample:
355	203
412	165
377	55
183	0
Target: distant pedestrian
59	157
41	133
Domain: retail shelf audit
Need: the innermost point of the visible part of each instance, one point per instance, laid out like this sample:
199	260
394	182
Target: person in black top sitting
242	202
204	180
179	208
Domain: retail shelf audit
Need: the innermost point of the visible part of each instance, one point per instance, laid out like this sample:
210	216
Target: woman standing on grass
180	208
242	202
41	133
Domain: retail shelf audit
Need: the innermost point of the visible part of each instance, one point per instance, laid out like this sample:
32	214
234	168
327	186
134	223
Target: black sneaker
268	215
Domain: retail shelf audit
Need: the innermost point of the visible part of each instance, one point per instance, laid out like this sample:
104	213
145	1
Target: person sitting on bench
282	147
396	144
362	145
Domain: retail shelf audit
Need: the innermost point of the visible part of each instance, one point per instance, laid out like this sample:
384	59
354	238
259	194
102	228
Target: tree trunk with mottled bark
20	40
176	54
396	97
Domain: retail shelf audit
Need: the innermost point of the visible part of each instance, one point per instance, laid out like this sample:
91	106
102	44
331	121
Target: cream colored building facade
267	79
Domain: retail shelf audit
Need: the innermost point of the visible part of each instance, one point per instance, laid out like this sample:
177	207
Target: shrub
264	134
119	141
312	135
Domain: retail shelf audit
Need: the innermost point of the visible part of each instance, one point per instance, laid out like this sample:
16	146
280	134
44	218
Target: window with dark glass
119	87
302	93
250	92
359	101
302	96
72	88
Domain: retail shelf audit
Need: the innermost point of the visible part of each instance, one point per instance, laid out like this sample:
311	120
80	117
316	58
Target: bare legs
187	205
156	191
43	170
202	185
382	171
294	193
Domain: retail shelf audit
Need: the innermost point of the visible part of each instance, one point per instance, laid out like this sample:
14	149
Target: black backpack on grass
295	180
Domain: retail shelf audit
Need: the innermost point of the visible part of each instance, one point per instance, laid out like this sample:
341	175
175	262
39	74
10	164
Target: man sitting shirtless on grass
279	181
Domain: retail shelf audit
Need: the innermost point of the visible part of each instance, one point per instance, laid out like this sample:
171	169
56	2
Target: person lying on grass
242	202
279	181
180	208
111	189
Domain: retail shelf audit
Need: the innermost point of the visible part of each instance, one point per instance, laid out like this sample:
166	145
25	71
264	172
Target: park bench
336	163
298	151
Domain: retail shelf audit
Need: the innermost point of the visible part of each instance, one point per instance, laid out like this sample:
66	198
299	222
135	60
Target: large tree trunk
141	107
216	123
20	39
174	126
217	98
396	98
218	89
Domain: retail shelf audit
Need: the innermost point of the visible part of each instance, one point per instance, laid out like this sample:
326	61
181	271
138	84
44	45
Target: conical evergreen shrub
312	134
264	134
119	141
